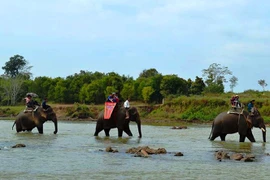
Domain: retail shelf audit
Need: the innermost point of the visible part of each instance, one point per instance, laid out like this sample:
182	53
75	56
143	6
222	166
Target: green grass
187	109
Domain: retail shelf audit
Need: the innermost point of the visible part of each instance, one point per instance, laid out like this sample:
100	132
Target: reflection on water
74	153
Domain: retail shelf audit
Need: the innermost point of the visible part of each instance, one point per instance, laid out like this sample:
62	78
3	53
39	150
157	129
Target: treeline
94	87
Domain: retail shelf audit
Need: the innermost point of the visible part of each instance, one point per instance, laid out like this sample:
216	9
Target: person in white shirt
126	106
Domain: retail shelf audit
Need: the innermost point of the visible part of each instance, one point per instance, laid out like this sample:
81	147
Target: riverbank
182	110
81	112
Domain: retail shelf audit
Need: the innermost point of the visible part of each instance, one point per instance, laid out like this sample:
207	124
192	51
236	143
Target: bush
80	111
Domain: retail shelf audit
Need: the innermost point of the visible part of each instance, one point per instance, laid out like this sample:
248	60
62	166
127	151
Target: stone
179	154
18	146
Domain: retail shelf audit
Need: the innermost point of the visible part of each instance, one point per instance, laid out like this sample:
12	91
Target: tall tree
262	83
215	88
15	66
15	73
216	77
233	82
12	88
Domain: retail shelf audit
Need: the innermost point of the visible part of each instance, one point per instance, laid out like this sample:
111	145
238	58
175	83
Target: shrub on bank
201	108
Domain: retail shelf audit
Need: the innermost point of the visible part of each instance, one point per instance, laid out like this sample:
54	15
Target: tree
155	82
115	80
148	73
173	85
215	76
197	86
262	83
233	82
16	72
214	88
95	92
146	93
127	91
11	88
60	91
15	66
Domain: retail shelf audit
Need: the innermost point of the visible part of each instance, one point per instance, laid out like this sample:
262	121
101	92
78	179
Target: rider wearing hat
237	102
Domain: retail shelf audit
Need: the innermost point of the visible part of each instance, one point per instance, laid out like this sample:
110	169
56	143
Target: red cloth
116	99
109	107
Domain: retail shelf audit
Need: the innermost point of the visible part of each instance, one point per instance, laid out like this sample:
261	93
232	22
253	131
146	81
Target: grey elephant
118	120
26	121
229	123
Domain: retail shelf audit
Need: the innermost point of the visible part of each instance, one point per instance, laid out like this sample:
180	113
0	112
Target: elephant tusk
263	129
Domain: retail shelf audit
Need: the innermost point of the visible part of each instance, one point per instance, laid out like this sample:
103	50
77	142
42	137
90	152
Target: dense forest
94	87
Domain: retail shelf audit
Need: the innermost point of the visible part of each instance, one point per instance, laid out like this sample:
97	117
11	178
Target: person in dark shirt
44	104
29	101
111	98
251	107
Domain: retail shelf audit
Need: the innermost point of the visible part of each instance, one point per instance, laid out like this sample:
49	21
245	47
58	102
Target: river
74	153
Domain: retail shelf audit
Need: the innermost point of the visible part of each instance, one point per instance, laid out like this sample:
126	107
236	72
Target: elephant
28	120
118	120
229	123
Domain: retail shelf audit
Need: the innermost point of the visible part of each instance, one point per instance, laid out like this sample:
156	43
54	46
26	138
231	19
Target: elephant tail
13	125
211	131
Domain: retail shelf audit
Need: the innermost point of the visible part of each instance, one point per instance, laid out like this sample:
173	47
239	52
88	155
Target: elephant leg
98	130
242	138
107	132
18	127
128	132
250	136
214	136
99	127
222	137
120	132
40	129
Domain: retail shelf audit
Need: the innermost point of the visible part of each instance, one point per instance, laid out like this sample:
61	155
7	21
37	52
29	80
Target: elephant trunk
13	125
55	125
139	127
263	133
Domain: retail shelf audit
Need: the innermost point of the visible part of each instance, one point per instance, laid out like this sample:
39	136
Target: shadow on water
241	147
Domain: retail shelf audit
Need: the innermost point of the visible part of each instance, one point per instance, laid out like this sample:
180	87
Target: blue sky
61	37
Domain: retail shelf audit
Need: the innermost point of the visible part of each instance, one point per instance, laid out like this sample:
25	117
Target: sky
61	37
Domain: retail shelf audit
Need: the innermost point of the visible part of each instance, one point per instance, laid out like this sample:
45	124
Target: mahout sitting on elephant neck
28	121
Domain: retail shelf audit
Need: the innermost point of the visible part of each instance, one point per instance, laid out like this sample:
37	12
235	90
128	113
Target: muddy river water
74	153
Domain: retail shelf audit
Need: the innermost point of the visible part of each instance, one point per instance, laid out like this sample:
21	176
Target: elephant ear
133	111
242	124
43	114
